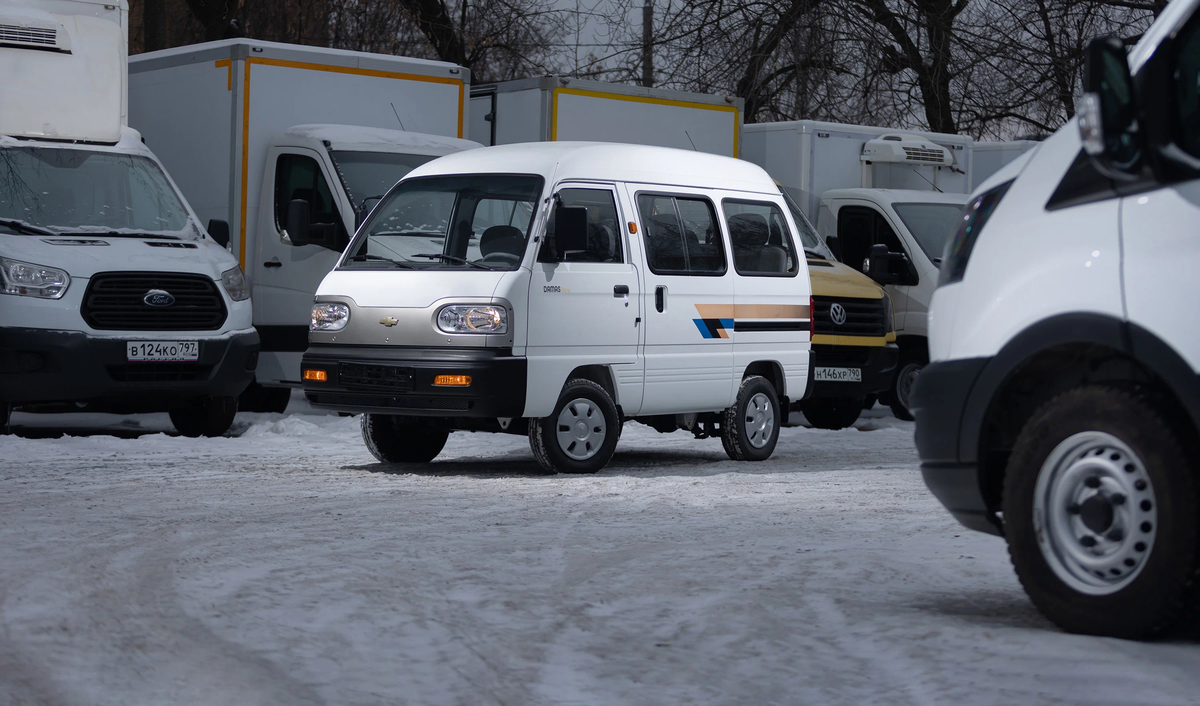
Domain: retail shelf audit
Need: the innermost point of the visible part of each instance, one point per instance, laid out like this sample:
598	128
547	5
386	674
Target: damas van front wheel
751	426
394	439
580	436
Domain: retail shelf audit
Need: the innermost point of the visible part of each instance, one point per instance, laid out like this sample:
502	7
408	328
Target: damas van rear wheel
581	434
751	426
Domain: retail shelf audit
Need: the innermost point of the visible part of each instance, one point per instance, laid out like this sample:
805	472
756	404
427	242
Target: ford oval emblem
158	297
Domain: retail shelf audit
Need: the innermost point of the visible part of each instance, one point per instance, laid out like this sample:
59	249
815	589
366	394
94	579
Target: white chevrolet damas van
1062	404
560	289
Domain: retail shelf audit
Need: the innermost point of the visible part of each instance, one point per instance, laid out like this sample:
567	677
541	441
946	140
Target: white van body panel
987	158
565	315
1030	264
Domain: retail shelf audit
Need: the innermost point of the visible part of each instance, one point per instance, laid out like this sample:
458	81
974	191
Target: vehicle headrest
506	239
748	229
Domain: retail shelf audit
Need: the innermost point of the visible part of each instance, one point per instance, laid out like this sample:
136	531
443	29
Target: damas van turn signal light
452	380
316	375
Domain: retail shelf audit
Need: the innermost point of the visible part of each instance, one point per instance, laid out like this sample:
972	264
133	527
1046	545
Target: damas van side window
681	235
604	242
762	243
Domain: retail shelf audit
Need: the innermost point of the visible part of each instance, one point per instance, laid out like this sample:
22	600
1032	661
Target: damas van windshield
477	221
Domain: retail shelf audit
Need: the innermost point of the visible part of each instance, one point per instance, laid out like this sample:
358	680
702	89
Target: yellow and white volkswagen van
559	290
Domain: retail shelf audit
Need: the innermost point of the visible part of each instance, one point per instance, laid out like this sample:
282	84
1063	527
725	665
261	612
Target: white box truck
988	157
552	109
250	127
113	297
879	196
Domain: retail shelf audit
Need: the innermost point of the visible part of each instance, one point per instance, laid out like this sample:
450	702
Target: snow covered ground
285	566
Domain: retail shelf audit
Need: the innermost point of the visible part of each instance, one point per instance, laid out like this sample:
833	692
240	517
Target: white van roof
890	196
603	161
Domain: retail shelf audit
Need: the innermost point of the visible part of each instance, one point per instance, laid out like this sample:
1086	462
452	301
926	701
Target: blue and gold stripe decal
717	320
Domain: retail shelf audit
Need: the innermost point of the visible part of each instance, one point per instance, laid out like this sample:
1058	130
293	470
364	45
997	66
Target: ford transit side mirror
878	265
297	222
218	230
570	231
1108	114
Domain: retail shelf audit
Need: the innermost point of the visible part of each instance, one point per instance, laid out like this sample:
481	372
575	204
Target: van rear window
681	235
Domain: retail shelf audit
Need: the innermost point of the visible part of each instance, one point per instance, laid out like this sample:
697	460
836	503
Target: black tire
869	401
741	442
209	416
590	446
256	398
910	366
832	412
1162	587
5	415
394	439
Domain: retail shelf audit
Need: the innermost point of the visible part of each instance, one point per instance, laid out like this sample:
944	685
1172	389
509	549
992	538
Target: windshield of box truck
367	176
931	224
73	190
812	243
479	221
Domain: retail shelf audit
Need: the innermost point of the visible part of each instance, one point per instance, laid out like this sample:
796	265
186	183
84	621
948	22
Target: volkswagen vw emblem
158	297
838	313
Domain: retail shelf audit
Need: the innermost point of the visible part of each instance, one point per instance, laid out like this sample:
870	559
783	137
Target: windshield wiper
380	258
23	227
454	258
119	234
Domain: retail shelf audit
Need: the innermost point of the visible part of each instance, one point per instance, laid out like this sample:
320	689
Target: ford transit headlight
234	283
329	316
29	280
470	318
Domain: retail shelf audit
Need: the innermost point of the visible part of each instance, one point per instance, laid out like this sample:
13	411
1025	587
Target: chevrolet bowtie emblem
388	321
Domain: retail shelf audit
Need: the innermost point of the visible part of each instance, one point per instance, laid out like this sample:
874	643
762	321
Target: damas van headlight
329	316
234	283
469	318
29	280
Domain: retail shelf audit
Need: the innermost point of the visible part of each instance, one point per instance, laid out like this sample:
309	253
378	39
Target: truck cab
912	227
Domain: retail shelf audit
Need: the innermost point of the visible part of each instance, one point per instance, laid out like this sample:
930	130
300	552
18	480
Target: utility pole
647	44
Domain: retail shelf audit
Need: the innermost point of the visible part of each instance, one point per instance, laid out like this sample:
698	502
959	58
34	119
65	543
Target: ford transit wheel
581	434
394	439
209	416
750	428
1101	515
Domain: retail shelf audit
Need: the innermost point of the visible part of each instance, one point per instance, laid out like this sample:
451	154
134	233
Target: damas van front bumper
404	381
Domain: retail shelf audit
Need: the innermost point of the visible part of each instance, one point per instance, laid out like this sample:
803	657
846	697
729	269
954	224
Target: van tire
1137	454
395	439
832	412
910	367
257	398
584	398
741	421
5	415
209	416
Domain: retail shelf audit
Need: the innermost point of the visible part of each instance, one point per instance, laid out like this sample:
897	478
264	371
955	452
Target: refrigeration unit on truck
885	203
112	295
552	109
1062	407
251	128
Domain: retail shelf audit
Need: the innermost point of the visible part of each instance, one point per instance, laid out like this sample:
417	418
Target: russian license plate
838	375
162	350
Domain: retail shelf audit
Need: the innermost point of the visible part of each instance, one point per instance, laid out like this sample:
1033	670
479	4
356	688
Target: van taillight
958	248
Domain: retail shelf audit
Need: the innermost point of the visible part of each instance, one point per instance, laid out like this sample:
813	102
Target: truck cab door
284	274
586	308
861	225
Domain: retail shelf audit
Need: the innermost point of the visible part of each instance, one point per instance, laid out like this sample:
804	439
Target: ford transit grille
118	301
375	377
862	317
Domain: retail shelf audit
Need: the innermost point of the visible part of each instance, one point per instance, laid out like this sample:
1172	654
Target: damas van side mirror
1108	115
218	230
570	231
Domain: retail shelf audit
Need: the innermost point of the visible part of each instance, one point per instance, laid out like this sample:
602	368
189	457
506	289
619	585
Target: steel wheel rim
1095	514
759	420
580	429
905	381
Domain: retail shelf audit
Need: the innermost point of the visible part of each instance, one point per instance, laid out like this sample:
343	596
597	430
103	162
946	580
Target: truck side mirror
570	231
876	264
1108	114
835	246
297	222
218	230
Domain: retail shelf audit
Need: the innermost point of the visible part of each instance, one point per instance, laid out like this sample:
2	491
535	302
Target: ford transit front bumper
403	381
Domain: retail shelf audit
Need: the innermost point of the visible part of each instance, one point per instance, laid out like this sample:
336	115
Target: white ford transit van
1062	405
560	289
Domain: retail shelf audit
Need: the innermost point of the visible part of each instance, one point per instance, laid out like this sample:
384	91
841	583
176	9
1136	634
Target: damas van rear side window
682	236
476	221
